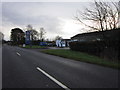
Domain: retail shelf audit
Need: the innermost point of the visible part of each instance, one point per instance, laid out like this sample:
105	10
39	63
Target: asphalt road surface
24	68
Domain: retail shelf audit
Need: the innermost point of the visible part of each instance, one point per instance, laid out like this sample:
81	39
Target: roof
65	39
97	33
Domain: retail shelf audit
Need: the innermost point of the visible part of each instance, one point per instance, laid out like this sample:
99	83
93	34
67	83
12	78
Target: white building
62	43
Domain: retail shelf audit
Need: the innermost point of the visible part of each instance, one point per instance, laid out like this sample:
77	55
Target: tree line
18	36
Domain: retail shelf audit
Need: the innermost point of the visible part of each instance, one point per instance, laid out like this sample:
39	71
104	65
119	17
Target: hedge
97	47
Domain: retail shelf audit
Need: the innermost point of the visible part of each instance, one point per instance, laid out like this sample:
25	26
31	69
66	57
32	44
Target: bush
105	49
89	47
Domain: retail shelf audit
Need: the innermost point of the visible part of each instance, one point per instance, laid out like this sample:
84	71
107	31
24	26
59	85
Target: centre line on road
18	54
53	79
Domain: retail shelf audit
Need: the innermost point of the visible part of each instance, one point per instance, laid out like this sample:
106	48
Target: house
93	36
62	42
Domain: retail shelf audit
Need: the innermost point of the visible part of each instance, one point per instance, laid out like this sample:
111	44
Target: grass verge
82	57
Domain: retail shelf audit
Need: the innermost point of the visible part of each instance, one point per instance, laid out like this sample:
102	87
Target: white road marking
55	80
18	54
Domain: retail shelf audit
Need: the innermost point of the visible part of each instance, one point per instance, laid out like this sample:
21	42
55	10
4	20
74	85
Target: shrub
89	47
103	49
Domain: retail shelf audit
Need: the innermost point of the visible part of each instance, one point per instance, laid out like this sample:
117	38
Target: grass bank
82	57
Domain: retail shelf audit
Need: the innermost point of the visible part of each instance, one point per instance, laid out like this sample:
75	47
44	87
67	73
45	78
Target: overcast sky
57	18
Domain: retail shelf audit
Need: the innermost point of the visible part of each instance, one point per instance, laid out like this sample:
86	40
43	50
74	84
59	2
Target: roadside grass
82	57
35	47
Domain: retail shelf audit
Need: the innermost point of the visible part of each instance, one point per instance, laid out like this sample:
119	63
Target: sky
57	18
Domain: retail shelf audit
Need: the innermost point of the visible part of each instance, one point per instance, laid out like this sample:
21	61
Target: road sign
27	38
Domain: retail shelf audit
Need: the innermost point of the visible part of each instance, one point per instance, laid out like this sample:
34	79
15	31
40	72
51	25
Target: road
24	68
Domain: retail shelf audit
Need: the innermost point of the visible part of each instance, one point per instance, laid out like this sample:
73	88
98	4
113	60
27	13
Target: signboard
27	38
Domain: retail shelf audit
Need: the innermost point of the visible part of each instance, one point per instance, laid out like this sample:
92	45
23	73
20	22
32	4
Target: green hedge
90	47
95	47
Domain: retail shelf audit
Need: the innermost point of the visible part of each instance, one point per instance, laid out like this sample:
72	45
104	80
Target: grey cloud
38	14
51	24
18	17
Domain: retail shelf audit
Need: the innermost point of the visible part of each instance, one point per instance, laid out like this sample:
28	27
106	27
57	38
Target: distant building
62	42
58	43
97	36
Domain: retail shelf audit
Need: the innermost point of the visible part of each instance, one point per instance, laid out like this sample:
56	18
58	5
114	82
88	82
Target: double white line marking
53	79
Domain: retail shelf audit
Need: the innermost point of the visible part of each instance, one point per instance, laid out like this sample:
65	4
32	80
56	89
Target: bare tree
33	32
58	38
42	33
29	27
104	15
